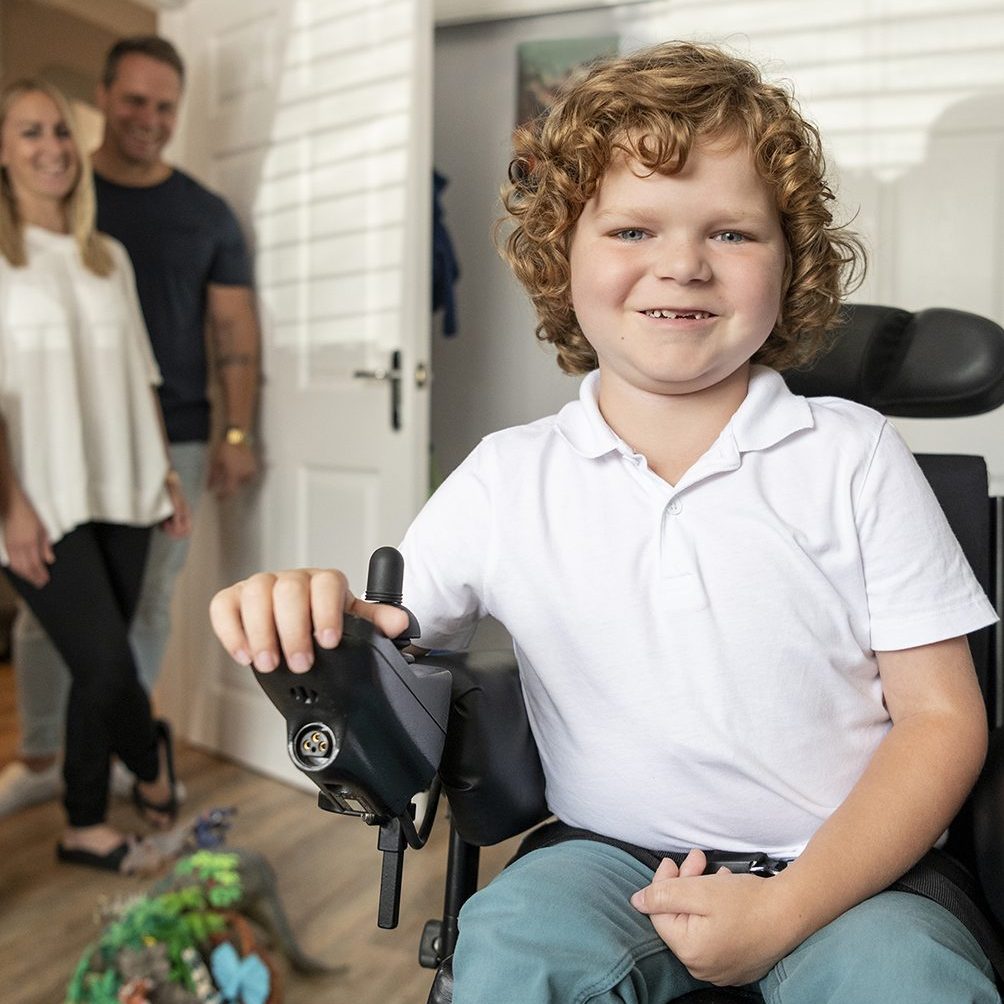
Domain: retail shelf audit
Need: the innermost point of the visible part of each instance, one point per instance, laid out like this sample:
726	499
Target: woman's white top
76	378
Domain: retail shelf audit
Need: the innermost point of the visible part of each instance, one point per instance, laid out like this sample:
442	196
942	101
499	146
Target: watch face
236	437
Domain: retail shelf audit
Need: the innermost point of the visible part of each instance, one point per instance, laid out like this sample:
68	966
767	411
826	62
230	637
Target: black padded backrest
961	485
937	363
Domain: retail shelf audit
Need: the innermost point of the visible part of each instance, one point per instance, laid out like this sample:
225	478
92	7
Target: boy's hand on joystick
272	612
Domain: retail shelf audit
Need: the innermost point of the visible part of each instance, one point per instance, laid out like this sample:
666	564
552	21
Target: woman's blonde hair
79	204
653	106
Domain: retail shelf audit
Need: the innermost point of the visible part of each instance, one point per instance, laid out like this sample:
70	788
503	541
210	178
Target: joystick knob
386	576
384	584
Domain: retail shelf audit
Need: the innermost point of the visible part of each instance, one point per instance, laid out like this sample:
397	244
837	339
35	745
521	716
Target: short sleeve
919	586
231	264
446	551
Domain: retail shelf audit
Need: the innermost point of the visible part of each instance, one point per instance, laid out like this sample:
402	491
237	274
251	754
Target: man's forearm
238	375
236	344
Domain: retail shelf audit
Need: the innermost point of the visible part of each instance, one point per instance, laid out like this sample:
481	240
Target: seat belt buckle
746	864
766	867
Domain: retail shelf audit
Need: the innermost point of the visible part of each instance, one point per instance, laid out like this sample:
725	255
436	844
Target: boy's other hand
724	928
270	612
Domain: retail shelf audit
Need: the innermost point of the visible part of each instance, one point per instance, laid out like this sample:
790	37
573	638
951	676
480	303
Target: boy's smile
676	280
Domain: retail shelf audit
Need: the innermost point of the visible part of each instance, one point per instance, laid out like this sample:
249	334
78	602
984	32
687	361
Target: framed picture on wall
544	66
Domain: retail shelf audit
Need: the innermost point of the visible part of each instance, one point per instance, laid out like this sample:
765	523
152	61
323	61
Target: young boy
739	614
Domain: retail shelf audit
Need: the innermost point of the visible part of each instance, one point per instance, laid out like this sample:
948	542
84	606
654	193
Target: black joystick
384	584
367	724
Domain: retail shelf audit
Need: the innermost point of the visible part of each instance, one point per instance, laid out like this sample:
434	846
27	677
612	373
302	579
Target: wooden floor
327	870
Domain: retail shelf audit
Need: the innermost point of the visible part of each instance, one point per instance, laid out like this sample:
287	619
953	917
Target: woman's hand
27	541
179	523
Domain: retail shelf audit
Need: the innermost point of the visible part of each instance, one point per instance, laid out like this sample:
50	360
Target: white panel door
312	118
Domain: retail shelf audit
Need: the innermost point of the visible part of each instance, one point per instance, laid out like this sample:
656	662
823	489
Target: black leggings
86	608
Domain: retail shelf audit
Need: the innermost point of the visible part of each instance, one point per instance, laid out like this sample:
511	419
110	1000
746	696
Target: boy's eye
630	234
731	237
63	131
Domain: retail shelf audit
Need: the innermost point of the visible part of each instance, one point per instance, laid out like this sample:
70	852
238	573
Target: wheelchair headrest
936	363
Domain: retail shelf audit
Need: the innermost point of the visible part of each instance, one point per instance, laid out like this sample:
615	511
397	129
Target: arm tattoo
235	359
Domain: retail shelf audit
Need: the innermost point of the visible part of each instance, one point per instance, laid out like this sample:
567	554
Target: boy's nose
683	261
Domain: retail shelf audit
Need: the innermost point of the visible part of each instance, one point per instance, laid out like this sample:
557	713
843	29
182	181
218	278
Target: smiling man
192	273
188	252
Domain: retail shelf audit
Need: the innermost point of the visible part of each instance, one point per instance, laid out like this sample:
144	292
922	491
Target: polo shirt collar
584	428
769	413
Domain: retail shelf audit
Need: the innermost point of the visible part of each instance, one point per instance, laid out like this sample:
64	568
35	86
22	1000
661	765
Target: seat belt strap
939	877
557	832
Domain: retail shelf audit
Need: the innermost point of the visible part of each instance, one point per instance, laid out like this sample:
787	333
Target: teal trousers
557	927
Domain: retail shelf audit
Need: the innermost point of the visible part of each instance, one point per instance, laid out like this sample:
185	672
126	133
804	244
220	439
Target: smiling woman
39	155
84	473
43	174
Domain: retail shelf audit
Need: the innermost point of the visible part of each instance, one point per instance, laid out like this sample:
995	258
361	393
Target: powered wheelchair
372	727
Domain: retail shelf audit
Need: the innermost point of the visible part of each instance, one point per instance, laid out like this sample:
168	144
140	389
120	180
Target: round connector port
314	747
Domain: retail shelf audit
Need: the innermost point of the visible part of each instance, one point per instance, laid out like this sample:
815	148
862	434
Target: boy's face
676	280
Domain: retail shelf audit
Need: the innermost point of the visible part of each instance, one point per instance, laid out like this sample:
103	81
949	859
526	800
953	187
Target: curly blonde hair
653	106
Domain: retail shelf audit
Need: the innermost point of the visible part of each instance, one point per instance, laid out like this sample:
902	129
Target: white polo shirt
697	660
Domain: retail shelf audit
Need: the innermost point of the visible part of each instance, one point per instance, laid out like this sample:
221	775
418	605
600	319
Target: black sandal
110	862
168	808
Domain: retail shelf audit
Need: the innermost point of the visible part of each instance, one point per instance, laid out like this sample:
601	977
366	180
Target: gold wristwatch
236	436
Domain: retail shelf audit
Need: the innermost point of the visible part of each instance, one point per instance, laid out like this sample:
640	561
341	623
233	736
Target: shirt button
674	508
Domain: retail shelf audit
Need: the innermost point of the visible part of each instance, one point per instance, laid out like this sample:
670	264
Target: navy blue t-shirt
180	237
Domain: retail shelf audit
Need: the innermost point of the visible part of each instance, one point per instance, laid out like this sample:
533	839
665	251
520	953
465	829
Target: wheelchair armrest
987	803
490	769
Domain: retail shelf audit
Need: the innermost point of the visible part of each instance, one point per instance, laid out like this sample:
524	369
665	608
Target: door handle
393	377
